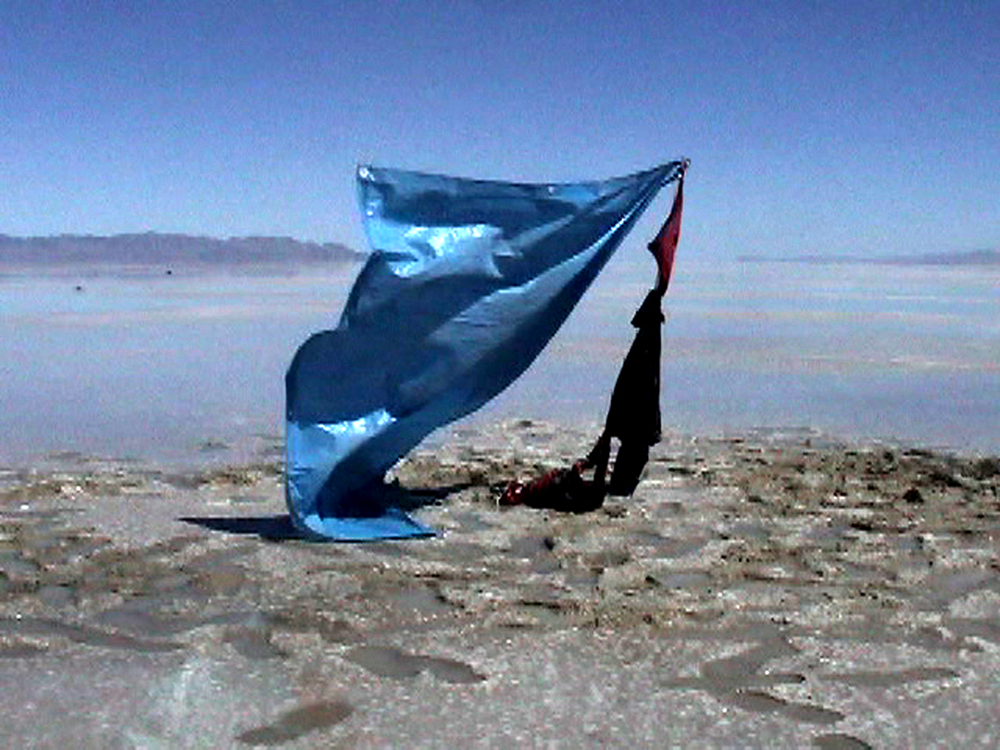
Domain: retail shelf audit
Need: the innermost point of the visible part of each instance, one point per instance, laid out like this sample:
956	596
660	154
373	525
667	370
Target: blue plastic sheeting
467	282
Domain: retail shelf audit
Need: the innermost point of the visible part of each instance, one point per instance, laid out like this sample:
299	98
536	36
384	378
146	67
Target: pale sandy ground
765	591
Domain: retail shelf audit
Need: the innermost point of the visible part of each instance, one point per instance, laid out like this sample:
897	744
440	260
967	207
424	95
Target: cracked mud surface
775	589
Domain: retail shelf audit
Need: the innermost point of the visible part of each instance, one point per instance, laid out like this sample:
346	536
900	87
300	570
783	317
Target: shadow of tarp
277	528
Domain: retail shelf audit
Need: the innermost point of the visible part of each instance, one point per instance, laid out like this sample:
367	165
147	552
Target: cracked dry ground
830	590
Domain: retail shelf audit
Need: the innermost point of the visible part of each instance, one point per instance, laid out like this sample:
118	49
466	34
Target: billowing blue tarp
467	282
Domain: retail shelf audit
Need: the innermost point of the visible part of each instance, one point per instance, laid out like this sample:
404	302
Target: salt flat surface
187	367
777	589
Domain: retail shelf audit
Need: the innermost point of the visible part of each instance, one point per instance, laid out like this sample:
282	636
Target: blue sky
813	127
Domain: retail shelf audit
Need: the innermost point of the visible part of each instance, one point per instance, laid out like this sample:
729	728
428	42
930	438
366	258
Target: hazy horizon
342	253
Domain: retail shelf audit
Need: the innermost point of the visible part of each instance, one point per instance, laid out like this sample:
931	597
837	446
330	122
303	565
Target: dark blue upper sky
813	127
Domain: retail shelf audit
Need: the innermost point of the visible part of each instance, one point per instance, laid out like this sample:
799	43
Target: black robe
634	413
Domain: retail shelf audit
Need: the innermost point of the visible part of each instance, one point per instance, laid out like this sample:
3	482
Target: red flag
664	245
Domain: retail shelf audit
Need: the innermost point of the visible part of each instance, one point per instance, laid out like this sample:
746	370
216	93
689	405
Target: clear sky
813	127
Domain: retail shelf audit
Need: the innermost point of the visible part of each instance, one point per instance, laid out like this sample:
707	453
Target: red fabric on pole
664	245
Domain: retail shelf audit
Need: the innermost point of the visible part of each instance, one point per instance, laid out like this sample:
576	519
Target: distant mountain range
153	248
972	258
